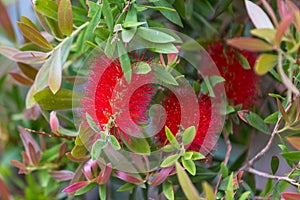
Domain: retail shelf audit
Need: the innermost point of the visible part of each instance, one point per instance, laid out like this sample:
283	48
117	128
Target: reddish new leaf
282	28
5	22
4	194
249	44
104	174
161	176
17	164
76	186
290	196
127	177
21	79
62	175
282	8
28	70
33	155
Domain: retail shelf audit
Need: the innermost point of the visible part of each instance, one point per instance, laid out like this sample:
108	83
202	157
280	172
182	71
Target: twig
258	156
226	159
279	178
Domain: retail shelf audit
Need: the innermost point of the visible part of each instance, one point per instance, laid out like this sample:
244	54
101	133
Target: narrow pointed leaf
5	22
155	36
34	36
186	184
171	138
168	190
208	191
258	17
249	44
55	71
65	20
283	27
76	186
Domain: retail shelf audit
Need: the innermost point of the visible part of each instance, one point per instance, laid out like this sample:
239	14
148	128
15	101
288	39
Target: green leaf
114	142
50	154
133	24
208	191
254	120
102	191
164	75
97	148
126	187
209	83
229	190
88	33
170	15
171	138
188	155
188	135
47	8
264	63
292	155
245	195
108	15
224	170
169	148
128	34
243	61
63	99
142	68
159	8
34	36
267	34
92	123
86	188
110	47
65	20
154	36
189	165
168	190
271	119
29	22
187	186
274	164
55	71
169	161
197	156
138	145
125	61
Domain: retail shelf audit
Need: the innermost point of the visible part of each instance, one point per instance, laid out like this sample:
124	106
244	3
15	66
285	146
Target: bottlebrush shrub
101	91
241	82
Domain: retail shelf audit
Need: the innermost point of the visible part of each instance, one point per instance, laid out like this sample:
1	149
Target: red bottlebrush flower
103	90
207	128
241	85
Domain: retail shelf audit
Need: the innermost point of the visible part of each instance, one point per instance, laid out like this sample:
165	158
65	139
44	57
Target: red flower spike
241	85
204	138
101	91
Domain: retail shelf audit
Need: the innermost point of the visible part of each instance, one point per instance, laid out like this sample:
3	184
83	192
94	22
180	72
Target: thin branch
258	156
279	178
226	159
